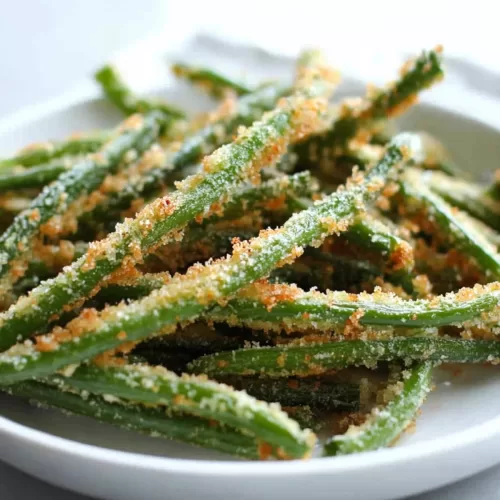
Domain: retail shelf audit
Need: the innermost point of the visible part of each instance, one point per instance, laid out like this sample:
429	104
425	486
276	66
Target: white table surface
15	485
52	46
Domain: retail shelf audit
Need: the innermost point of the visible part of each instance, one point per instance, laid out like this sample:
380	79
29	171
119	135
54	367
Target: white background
51	47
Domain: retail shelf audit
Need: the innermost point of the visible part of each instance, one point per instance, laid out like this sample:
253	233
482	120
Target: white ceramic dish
457	435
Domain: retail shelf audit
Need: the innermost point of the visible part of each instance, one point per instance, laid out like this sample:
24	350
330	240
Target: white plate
457	435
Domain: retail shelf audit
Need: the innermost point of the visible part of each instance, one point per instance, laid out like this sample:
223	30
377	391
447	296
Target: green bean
304	416
383	136
361	155
154	421
41	268
418	75
384	425
37	154
199	244
308	272
37	176
118	92
493	191
175	361
163	219
306	360
277	307
374	235
450	225
278	194
489	233
186	297
81	180
434	156
214	83
274	197
326	271
198	338
248	110
133	288
261	306
196	396
467	196
294	392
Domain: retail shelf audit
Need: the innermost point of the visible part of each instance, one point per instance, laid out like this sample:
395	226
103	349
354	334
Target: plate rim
384	457
476	434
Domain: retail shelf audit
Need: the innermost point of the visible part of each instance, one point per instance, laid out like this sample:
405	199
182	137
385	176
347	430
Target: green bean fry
239	280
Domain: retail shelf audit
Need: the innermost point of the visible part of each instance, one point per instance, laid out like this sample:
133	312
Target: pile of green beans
238	306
